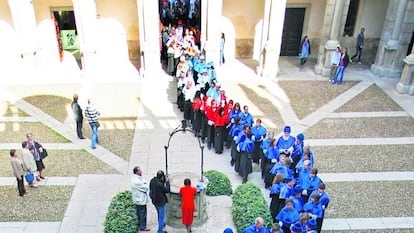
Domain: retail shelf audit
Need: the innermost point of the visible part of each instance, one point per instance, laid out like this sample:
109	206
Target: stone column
406	84
85	17
274	37
263	39
24	21
212	46
149	35
388	61
204	4
330	32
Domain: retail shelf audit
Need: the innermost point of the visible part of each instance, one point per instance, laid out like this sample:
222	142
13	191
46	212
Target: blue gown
252	229
246	119
288	217
285	144
315	209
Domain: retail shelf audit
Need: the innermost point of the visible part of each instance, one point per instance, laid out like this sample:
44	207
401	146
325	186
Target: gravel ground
43	204
7	109
16	132
118	141
370	199
372	99
268	109
307	96
81	162
374	127
364	158
56	106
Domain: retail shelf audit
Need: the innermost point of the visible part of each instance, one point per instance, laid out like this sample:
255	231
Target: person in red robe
187	193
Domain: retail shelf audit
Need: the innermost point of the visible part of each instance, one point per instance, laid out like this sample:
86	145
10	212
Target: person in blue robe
271	157
307	155
297	152
246	149
311	226
234	133
310	183
247	118
324	200
258	134
264	146
314	209
241	137
287	216
274	195
297	198
286	142
257	227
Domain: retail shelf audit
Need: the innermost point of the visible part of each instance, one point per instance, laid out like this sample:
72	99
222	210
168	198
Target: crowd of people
298	197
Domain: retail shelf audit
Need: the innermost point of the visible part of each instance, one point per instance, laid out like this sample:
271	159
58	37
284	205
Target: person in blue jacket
307	155
286	142
282	166
247	118
274	195
310	183
264	146
234	133
257	227
246	149
258	135
324	200
300	226
287	216
297	152
314	209
297	198
286	191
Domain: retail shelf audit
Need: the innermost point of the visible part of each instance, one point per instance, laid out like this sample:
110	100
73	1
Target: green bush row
121	215
248	204
218	183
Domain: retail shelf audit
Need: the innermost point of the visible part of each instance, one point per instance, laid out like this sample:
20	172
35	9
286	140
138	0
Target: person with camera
159	187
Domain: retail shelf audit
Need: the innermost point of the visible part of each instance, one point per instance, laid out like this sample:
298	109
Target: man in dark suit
78	116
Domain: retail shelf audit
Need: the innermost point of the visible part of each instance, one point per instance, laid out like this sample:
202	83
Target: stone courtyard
361	132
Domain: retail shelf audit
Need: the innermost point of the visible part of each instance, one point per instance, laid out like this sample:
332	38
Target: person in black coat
77	115
159	187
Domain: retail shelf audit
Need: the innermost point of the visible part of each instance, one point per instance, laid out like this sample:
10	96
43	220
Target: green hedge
248	204
218	183
121	215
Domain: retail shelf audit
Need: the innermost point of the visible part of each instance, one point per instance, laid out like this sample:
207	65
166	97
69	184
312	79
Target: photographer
159	187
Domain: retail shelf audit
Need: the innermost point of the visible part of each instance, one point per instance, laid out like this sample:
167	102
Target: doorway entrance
65	19
292	31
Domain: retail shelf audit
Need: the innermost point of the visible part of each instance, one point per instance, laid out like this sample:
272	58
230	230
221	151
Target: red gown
187	204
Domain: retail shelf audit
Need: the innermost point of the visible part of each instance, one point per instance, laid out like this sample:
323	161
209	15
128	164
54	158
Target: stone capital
391	45
409	60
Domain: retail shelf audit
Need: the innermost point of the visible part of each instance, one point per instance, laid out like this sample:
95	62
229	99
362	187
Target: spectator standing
305	50
92	114
29	162
343	63
36	148
187	193
359	46
159	187
336	57
18	171
139	188
77	115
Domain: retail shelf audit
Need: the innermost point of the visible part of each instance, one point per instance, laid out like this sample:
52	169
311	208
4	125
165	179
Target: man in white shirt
336	57
140	189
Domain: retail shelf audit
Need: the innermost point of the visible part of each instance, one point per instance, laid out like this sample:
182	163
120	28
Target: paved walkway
157	117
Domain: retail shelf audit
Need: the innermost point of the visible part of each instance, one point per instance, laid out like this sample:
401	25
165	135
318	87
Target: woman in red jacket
220	124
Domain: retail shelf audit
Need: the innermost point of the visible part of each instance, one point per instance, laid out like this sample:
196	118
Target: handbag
29	177
43	154
97	124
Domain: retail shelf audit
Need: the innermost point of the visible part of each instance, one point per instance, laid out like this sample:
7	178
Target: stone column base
385	72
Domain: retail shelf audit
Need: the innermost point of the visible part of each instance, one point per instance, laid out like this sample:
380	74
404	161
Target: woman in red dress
187	193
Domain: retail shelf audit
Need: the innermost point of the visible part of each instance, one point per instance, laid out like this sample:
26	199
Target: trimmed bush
121	216
218	183
248	204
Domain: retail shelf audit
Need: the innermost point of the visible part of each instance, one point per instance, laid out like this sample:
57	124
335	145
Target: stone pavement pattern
157	117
